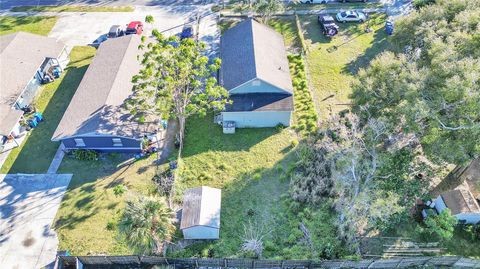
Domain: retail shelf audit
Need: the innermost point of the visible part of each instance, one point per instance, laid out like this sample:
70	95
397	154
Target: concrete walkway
57	160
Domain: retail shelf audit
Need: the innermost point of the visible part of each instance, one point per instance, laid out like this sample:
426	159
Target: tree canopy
430	84
146	224
177	80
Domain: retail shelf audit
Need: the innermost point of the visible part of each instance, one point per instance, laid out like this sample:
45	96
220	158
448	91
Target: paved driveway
76	29
28	205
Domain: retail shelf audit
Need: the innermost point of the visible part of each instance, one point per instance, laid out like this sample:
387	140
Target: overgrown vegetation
33	24
85	155
305	114
72	8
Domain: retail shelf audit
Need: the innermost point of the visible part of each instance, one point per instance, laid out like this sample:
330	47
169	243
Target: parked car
313	1
115	31
134	27
96	43
188	31
329	28
344	1
351	16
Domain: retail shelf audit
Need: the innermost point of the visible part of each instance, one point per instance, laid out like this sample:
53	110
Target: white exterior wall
258	119
201	232
440	204
469	218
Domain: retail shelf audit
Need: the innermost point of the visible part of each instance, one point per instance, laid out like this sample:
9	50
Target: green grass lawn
90	205
36	152
33	24
252	168
333	62
68	8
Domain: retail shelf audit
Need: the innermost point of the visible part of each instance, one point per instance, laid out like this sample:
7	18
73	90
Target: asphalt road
7	4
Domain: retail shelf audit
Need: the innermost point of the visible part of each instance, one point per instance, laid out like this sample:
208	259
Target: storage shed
201	213
462	205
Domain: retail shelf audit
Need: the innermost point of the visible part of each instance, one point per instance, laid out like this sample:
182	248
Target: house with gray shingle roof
255	72
26	61
96	117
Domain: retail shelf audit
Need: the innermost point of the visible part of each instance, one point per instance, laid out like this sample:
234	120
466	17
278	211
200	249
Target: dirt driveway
28	205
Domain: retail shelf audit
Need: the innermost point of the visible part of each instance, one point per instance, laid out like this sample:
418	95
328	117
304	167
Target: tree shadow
379	44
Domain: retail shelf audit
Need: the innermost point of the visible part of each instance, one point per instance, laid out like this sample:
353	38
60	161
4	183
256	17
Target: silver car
351	16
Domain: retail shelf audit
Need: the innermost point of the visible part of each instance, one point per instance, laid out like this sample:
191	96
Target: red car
134	27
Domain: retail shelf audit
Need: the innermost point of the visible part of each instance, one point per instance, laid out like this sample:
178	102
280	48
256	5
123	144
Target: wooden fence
150	262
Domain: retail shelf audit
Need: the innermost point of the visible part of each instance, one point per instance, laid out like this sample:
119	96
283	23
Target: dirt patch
29	240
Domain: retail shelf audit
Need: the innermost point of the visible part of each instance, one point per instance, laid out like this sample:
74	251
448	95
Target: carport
28	205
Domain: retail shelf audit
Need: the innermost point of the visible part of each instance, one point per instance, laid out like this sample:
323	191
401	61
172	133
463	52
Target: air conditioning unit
228	127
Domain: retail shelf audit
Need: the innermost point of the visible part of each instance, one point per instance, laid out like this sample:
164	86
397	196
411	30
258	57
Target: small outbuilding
201	213
462	205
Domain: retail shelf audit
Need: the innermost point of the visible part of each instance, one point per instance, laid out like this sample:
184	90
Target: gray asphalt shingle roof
21	54
252	50
8	119
97	106
260	102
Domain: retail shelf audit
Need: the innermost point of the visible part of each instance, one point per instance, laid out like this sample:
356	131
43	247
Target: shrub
85	155
119	190
110	225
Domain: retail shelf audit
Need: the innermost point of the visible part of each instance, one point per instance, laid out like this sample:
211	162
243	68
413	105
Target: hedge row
305	115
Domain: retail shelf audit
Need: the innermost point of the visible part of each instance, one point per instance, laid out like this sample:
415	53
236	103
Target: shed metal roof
252	50
97	106
201	207
21	54
460	201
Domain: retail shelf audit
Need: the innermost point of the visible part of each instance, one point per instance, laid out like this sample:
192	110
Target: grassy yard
36	152
333	62
252	168
33	24
68	8
87	219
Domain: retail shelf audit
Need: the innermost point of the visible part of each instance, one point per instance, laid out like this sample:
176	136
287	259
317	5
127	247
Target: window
117	142
79	142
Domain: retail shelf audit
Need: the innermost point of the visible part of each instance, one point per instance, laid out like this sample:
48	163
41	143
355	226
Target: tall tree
176	80
147	224
430	85
267	8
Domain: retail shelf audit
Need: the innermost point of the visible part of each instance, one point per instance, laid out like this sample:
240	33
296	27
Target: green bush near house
305	114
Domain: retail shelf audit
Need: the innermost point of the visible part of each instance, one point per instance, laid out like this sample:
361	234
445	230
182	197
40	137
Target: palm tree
146	224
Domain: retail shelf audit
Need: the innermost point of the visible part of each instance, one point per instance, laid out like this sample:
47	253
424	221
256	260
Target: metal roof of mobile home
97	106
201	207
460	201
21	54
251	50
